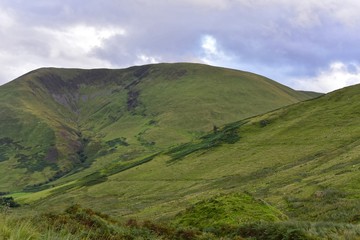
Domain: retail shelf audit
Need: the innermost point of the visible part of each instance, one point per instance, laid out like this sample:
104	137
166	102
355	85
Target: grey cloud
278	38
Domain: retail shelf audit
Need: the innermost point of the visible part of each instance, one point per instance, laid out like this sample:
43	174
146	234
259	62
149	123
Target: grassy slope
230	210
53	121
302	159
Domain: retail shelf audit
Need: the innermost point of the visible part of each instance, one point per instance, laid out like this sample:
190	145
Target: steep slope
57	122
303	159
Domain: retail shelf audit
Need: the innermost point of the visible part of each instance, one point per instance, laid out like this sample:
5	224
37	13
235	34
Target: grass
49	112
169	160
302	159
228	134
13	229
77	222
228	210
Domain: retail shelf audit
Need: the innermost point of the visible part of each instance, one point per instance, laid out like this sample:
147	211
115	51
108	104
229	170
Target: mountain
302	159
134	144
73	122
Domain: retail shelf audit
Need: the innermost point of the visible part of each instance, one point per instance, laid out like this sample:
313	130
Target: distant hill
311	94
56	122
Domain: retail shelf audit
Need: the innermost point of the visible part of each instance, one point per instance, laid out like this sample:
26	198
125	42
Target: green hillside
230	210
289	173
302	159
58	125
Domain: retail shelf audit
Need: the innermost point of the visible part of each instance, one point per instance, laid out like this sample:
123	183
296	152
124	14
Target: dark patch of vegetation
122	167
132	100
152	122
215	129
58	175
8	144
113	117
120	141
355	219
141	71
52	155
33	162
264	123
3	156
43	185
92	76
9	202
133	93
89	180
93	179
99	177
36	187
228	134
55	84
143	141
92	149
82	156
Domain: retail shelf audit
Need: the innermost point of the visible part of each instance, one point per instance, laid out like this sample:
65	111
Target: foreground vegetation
81	223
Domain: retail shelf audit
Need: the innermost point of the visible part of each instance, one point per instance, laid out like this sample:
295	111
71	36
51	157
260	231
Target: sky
307	45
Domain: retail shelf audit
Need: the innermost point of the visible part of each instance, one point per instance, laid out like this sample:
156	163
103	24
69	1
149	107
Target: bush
8	201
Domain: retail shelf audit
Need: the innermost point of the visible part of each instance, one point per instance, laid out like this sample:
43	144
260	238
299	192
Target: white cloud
6	19
212	52
215	4
347	12
145	59
78	39
209	45
306	15
338	75
70	46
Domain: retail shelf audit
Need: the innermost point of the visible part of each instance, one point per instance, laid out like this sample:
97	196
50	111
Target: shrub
8	201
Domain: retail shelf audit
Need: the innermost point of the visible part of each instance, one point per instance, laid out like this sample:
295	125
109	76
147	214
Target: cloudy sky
309	44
